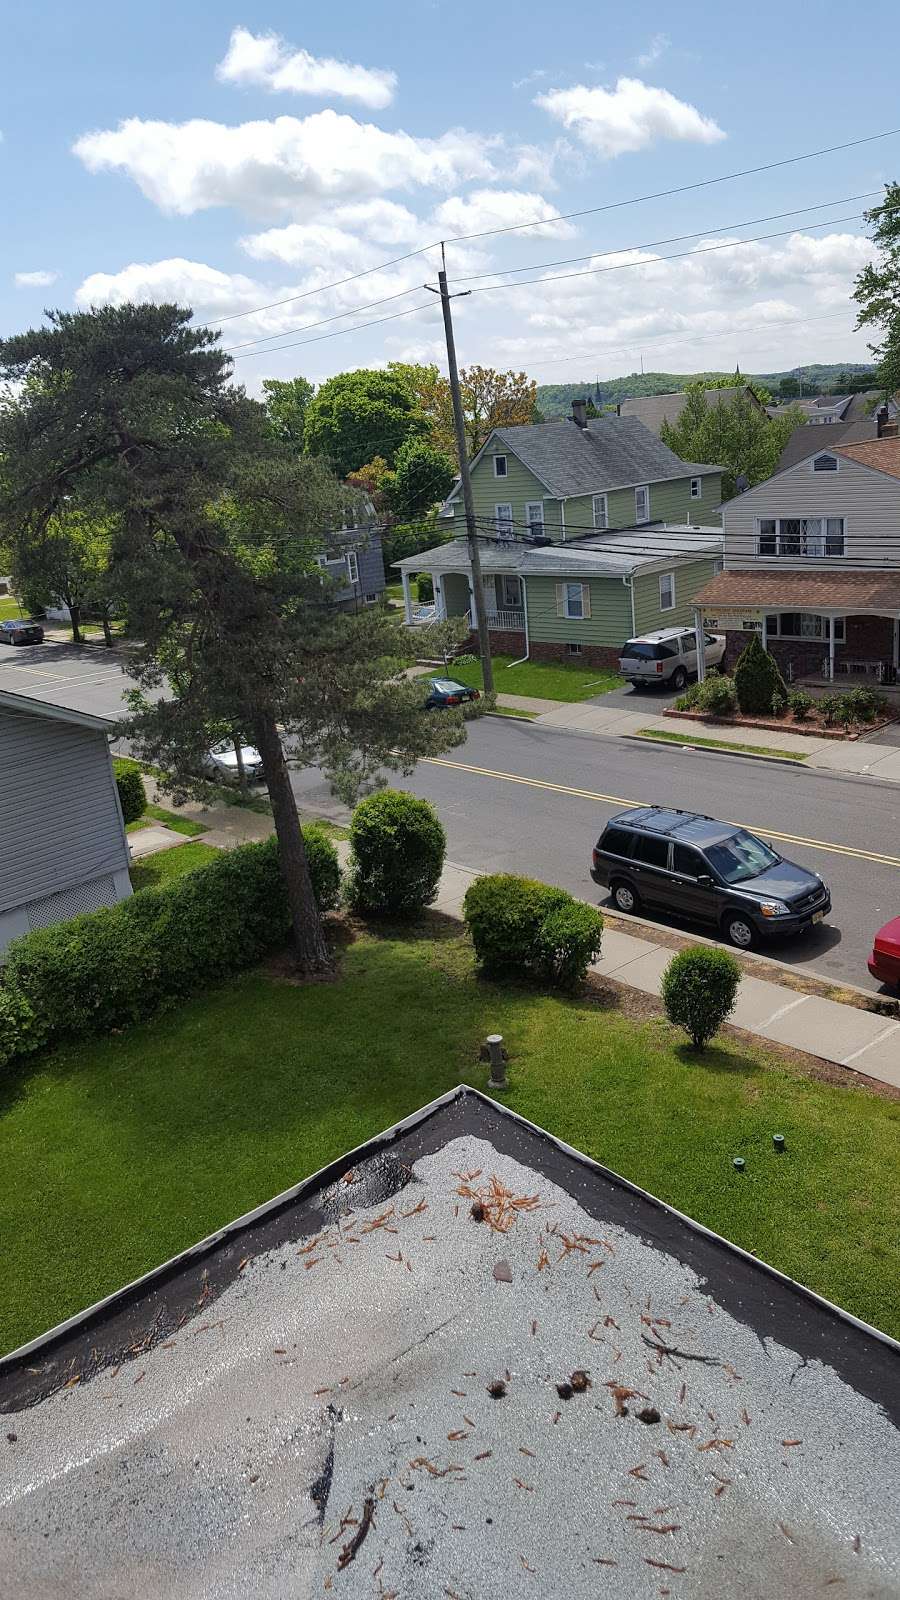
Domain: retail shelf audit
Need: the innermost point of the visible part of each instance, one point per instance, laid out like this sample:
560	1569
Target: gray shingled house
63	848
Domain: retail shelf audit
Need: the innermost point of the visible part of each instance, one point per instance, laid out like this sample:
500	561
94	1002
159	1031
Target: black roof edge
753	1291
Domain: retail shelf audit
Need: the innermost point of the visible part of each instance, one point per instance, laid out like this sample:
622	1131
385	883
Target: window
601	512
574	649
371	599
503	519
352	560
797	537
512	594
500	468
616	841
574	599
652	849
825	464
696	488
688	642
534	516
642	504
804	625
667	591
689	863
740	857
322	561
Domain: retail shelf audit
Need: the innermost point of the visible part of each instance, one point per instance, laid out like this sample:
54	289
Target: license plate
818	916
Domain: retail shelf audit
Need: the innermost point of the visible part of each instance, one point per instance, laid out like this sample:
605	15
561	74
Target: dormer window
825	463
500	468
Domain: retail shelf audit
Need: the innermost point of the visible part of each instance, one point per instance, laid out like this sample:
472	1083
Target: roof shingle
882	454
610	453
804	591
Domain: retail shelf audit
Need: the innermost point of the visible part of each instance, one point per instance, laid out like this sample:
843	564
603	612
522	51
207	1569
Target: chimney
886	428
579	414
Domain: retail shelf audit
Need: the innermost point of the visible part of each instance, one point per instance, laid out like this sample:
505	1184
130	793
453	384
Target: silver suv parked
668	656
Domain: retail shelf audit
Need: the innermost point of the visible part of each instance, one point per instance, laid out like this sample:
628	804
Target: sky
229	159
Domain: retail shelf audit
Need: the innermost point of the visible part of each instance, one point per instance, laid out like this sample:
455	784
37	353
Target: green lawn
545	680
172	819
10	609
120	1152
154	871
720	744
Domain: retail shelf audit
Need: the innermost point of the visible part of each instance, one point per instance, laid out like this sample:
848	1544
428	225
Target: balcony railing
502	621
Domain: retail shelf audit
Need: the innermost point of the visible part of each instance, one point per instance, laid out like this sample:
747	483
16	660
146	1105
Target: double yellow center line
621	800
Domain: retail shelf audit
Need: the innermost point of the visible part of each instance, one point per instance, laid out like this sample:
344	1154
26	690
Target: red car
884	962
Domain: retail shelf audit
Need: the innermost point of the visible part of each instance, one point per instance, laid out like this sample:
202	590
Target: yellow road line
620	800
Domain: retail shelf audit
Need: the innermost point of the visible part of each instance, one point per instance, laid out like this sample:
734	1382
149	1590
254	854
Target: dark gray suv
681	862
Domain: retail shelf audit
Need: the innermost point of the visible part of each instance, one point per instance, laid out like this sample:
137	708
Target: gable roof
610	453
655	409
30	707
882	454
246	1426
806	441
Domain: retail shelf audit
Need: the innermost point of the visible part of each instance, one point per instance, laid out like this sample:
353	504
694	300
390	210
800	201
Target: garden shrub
690	698
757	679
20	1030
800	704
862	703
397	847
530	929
829	705
717	696
132	795
779	705
111	967
699	990
568	941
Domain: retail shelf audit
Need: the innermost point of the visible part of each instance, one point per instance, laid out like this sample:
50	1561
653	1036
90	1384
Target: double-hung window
534	516
642	503
573	600
795	538
667	591
500	467
352	566
696	488
601	512
503	519
512	594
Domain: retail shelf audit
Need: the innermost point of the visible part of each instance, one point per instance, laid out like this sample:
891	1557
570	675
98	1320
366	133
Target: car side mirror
704	880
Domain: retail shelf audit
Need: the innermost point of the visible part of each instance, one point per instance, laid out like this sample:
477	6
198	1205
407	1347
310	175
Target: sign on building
733	620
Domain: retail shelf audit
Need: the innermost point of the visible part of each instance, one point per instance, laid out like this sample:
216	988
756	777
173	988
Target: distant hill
555	399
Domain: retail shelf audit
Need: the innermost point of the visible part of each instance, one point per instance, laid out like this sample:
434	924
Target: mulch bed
809	726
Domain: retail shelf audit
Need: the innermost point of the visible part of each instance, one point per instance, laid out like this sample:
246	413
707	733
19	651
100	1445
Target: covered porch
504	599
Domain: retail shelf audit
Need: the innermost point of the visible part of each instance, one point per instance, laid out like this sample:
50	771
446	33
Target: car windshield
445	686
740	857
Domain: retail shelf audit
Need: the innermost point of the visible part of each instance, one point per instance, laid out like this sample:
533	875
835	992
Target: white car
221	761
668	657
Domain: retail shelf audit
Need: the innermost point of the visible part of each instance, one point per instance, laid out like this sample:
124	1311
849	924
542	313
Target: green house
601	533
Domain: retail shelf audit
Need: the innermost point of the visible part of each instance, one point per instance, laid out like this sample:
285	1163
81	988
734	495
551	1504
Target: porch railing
502	621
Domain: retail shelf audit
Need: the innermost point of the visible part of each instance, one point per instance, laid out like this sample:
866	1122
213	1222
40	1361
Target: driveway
652	700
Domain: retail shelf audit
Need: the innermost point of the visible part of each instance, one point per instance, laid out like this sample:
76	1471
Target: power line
354	311
517	227
356	328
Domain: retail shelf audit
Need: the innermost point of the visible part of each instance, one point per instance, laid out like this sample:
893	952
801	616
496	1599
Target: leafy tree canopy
286	401
356	416
877	291
733	434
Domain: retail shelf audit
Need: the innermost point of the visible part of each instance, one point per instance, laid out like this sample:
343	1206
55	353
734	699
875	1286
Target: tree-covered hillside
555	399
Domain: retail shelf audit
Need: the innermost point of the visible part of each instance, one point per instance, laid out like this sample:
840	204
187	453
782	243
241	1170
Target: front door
692	898
489	585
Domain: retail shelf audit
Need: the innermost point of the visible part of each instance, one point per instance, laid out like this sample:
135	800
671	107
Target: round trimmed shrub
132	795
504	915
568	941
800	704
717	696
757	679
397	847
699	990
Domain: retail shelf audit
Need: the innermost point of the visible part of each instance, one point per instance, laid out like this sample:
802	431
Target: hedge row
112	967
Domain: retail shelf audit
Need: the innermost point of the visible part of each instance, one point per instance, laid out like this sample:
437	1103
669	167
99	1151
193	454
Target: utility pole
484	638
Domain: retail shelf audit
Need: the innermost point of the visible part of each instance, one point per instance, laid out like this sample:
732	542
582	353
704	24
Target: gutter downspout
527	641
629	584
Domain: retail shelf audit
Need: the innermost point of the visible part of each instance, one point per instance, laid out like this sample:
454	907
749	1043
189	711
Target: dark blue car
20	632
444	692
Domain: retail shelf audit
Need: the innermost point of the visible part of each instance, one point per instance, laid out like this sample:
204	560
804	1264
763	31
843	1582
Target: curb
706	750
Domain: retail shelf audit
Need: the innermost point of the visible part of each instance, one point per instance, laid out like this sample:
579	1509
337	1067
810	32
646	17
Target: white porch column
438	598
831	633
765	633
896	644
701	645
407	595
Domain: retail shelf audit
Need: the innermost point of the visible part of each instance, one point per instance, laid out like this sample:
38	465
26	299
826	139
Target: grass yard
152	872
719	744
120	1152
10	610
172	819
545	680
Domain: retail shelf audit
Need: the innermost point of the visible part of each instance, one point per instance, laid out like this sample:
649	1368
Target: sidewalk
226	825
833	755
842	1034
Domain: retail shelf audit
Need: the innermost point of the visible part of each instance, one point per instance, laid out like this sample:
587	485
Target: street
506	800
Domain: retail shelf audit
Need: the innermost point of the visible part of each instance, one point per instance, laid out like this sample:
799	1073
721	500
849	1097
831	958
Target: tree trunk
75	619
239	758
107	631
309	939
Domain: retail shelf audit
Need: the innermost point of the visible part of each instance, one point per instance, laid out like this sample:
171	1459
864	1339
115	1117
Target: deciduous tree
877	291
733	434
356	416
286	401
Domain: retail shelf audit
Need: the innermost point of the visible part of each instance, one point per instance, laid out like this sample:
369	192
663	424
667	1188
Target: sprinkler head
738	1163
778	1141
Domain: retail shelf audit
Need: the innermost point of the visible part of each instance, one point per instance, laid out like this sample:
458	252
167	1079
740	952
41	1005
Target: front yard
122	1151
543	680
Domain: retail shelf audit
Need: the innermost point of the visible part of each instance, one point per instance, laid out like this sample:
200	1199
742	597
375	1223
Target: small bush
800	704
690	698
568	941
779	705
717	696
757	679
324	867
425	588
397	847
862	704
20	1030
528	929
699	990
132	795
828	706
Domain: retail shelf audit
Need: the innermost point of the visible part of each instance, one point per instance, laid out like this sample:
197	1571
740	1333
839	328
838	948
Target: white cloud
35	280
530	77
380	219
191	283
265	61
484	209
657	47
288	164
303	244
629	117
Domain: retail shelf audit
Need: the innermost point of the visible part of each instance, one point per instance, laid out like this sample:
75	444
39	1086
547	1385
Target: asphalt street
520	798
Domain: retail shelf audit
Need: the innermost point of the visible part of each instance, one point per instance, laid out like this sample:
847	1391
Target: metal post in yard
701	645
497	1058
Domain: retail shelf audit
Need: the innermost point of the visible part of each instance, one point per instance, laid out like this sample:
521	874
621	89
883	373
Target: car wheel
625	898
739	931
679	679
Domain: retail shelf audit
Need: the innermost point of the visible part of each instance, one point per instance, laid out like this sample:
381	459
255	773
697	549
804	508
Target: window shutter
560	600
585	599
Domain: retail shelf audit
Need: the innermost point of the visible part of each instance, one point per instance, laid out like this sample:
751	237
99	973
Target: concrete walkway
839	1033
226	825
835	755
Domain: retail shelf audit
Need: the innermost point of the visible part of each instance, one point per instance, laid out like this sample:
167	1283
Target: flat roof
624	550
368	1388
